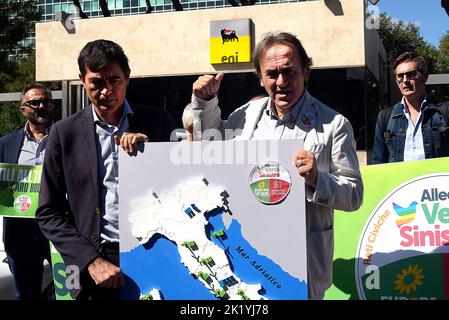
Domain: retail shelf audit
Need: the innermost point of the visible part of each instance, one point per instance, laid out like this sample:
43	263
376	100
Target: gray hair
271	38
187	116
413	57
36	85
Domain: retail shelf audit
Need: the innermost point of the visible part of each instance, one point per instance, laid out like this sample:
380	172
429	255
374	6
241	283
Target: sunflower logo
261	184
409	279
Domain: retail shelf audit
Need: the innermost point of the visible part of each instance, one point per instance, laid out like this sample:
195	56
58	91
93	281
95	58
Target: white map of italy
179	215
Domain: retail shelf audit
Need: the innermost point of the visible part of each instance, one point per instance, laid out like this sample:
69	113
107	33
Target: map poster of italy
217	220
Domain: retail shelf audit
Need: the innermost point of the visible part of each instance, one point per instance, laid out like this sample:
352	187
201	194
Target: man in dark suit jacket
78	204
25	246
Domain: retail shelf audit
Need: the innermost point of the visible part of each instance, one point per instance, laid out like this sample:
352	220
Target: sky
431	18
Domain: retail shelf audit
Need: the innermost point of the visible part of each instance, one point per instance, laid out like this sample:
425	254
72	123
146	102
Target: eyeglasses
412	74
36	103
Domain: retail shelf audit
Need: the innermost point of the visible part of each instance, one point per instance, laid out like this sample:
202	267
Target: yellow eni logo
230	41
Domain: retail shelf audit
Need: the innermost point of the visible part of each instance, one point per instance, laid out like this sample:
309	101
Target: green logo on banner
22	203
270	182
404	243
19	190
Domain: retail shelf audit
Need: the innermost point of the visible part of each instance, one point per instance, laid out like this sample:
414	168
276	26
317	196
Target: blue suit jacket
72	222
10	146
18	233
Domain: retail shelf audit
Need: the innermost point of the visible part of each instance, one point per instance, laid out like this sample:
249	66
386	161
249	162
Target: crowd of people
78	201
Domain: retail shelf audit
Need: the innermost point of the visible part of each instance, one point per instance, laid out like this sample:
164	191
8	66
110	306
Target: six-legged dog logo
228	35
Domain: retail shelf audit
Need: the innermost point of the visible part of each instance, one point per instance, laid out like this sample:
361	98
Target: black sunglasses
36	103
412	74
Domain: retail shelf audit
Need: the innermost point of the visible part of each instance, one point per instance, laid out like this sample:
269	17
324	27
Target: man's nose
106	88
41	105
405	78
281	80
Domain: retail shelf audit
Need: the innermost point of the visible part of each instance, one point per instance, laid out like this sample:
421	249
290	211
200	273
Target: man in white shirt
328	161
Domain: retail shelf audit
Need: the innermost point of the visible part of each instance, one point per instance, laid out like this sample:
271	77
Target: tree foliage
442	92
443	57
10	117
17	19
398	37
20	73
23	73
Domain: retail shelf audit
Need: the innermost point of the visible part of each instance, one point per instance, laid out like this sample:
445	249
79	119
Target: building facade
48	9
168	50
131	7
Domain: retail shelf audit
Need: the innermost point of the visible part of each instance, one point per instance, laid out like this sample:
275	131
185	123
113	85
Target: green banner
59	275
19	190
395	247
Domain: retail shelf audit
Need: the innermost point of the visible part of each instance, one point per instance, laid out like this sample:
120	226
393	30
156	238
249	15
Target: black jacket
69	201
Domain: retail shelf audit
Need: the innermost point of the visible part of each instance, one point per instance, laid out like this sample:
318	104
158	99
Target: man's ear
425	76
23	112
81	77
306	74
128	77
260	79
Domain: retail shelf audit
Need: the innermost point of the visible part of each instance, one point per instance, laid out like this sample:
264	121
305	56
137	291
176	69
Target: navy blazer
10	146
72	222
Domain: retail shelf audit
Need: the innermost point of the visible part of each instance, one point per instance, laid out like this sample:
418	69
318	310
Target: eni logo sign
230	41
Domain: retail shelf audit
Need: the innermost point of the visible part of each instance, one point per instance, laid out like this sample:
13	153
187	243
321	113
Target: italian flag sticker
270	182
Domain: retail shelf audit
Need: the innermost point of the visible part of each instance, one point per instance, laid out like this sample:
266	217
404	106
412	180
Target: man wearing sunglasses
25	246
416	128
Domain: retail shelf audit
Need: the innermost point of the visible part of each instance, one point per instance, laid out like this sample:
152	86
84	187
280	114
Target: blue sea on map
158	265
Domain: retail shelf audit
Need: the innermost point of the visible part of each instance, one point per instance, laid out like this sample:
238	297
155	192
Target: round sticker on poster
22	203
270	182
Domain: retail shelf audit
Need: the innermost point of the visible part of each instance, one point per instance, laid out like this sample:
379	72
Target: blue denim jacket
389	145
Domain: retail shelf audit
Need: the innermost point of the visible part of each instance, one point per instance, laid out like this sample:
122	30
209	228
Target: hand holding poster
213	220
19	190
210	221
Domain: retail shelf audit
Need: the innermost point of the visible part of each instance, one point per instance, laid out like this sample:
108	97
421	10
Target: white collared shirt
270	126
32	152
107	152
414	145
